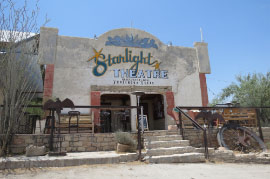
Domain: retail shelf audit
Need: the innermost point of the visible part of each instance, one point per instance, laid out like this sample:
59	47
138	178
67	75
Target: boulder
125	148
32	150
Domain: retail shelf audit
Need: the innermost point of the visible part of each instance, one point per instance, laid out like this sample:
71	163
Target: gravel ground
141	170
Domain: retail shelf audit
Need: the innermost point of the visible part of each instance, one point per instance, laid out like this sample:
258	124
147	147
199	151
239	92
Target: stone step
160	133
169	151
71	159
178	158
202	150
176	132
166	144
163	138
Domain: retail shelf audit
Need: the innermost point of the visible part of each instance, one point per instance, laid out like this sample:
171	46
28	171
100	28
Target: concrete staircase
170	148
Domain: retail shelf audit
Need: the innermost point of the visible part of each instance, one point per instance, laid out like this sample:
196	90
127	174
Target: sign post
138	95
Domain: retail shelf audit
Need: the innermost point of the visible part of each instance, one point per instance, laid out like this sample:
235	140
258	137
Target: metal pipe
142	120
181	126
139	136
52	129
129	107
200	127
206	154
193	121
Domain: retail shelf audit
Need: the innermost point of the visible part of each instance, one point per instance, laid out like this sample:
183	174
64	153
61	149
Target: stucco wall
74	77
73	74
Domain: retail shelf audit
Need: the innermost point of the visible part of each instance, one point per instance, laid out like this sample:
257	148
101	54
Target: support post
139	135
52	130
138	95
258	112
142	121
181	125
205	144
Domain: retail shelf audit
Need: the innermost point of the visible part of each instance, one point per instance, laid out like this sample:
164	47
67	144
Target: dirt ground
141	170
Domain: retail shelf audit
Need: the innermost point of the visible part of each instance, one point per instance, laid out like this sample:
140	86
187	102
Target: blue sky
237	31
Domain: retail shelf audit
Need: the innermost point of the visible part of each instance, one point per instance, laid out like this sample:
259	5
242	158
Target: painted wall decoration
132	76
105	62
130	41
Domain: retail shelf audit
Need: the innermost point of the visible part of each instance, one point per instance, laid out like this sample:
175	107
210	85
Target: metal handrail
206	154
85	106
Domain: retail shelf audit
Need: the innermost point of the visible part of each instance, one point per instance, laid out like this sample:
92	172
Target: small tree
19	70
250	90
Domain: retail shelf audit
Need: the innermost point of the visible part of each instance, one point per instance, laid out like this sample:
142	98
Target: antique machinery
235	137
55	106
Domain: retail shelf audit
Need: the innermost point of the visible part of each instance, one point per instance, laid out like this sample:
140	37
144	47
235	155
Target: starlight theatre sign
133	75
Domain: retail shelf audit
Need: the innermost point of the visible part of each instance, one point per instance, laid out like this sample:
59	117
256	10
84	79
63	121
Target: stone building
106	71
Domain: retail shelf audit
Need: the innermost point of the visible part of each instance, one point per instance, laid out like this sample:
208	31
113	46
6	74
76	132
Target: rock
223	155
222	148
264	154
32	150
172	127
125	148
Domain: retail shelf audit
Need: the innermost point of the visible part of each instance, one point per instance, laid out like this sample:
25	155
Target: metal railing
215	108
53	110
52	114
198	126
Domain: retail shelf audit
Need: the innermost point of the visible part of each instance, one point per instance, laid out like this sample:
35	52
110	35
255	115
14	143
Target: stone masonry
86	142
195	137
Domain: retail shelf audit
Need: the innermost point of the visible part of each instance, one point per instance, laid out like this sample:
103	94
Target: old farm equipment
55	106
235	137
235	131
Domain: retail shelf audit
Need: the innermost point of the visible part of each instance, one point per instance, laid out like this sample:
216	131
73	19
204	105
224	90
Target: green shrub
36	111
124	138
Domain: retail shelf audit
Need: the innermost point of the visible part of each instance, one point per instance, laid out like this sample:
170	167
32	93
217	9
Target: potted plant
125	142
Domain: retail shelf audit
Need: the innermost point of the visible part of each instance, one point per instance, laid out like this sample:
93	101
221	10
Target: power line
219	80
211	91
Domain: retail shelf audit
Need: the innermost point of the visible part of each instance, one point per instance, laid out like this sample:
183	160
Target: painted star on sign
96	56
157	66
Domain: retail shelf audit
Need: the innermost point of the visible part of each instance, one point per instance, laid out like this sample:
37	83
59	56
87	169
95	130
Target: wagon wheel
238	138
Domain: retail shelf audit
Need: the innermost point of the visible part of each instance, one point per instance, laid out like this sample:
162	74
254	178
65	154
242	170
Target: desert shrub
124	138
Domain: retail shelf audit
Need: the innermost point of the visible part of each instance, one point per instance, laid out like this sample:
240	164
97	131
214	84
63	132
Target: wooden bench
84	124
